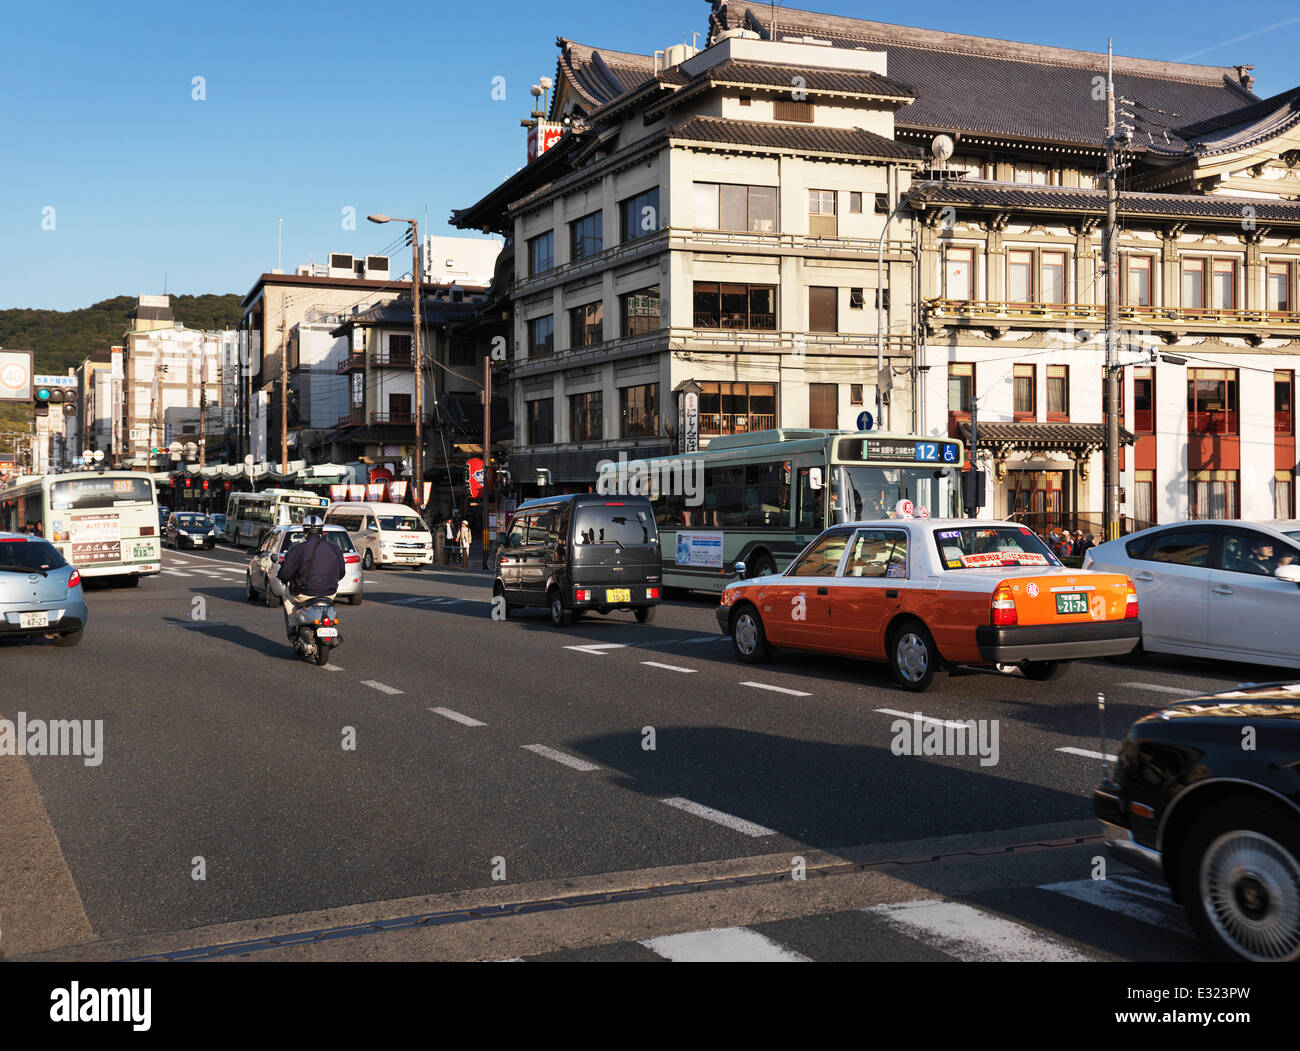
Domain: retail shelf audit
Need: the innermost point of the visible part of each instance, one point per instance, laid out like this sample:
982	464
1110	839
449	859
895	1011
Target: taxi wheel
1240	879
1044	671
913	657
748	638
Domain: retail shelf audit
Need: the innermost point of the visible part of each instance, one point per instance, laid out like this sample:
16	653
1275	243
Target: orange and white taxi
922	594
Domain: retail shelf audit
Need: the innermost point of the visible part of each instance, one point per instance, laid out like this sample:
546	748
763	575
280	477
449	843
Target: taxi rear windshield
989	547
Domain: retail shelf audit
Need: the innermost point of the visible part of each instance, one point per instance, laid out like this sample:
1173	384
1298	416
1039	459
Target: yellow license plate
618	595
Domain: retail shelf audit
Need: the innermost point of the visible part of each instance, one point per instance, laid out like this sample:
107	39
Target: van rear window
628	525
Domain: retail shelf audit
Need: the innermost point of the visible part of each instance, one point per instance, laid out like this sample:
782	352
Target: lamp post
417	461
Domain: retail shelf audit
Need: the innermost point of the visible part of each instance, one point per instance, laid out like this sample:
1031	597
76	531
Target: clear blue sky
313	107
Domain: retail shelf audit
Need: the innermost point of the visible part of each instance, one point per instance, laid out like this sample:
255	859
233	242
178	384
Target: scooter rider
311	570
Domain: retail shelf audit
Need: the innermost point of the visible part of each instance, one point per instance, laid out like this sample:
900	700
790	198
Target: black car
1205	795
190	529
581	553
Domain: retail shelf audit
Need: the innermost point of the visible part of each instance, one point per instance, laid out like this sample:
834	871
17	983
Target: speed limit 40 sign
16	375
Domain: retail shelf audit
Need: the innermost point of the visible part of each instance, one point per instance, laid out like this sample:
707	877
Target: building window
1053	271
727	206
972	167
587	324
541	253
1024	406
734	306
585	417
641	312
639	215
855	393
961	388
541	421
1193	284
1283	494
1212	494
1144	401
1139	281
541	335
399	408
1020	277
746	100
586	237
401	349
821	213
823	309
855	202
1279	287
1212	401
1224	285
1284	402
823	406
959	274
784	109
1037	175
857	300
639	411
1144	499
1058	392
737	408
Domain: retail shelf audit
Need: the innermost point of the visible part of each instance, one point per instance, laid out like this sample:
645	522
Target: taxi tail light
651	592
74	579
1131	603
1004	607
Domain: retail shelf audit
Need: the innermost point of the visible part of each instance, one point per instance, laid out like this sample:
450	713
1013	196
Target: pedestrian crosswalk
1120	918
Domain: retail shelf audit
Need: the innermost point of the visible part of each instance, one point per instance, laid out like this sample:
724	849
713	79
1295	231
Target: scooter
317	630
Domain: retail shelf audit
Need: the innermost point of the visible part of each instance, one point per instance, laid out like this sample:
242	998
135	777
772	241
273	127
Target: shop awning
1032	436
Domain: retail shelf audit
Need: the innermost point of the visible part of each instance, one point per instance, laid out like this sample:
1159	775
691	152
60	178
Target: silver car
1218	588
266	560
40	594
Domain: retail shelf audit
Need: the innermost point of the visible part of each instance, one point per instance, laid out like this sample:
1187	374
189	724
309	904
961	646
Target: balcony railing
378	359
1214	422
383	419
739	322
714	423
996	309
352	419
353	361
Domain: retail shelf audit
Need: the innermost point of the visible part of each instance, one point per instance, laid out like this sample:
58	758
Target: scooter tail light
1004	607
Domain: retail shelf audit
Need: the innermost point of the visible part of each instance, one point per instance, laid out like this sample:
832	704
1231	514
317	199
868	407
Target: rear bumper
1120	844
1053	642
65	626
636	597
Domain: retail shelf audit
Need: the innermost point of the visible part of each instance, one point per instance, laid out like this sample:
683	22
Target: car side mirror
740	568
1289	572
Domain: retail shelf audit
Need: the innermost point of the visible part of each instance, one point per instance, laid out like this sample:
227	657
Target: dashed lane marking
1161	689
723	945
737	824
776	689
956	724
329	667
456	717
704	638
669	667
177	573
1090	755
597	648
381	687
560	757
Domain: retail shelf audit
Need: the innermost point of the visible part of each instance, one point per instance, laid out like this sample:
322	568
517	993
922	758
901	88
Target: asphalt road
497	761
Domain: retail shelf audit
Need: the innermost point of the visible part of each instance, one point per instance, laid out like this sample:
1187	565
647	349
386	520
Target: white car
1218	588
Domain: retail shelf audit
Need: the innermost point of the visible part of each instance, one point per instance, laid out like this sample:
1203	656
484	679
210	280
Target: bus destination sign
904	450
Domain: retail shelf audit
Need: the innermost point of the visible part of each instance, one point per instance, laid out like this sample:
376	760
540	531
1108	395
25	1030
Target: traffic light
43	395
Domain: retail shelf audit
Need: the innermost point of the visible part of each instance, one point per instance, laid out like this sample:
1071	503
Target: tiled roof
599	75
796	138
1132	205
1029	434
1244	127
840	81
992	87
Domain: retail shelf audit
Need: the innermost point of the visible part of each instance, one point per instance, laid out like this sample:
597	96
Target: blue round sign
865	421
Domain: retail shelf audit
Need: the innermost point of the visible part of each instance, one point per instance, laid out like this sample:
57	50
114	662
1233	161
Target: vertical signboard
690	422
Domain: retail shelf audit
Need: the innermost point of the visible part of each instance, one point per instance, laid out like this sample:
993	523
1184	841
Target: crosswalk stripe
176	573
973	935
1135	898
738	824
722	945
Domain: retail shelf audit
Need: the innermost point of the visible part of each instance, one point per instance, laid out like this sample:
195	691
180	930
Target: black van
578	553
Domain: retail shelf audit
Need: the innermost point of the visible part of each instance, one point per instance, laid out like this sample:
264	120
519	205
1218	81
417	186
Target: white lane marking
329	667
176	573
738	824
1090	755
776	689
954	723
703	638
443	600
973	935
456	717
407	601
206	572
380	686
1138	899
1161	689
560	757
669	667
722	945
596	648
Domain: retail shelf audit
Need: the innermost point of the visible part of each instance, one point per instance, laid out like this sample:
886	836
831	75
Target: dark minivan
581	553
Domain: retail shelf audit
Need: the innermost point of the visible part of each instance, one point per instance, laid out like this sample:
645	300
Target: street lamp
417	469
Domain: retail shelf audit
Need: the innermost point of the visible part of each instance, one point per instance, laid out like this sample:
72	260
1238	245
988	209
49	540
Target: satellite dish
942	147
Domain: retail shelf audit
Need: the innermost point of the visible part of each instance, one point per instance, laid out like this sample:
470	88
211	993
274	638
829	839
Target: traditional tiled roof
600	75
997	88
1028	434
766	74
1244	127
1093	202
806	139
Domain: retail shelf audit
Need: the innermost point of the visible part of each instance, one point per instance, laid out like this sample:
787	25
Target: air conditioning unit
342	265
377	267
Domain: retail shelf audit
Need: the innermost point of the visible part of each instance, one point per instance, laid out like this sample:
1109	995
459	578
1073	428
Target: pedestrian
450	538
466	538
1064	546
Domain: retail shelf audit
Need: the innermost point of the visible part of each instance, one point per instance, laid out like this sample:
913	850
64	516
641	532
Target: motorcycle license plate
618	595
327	633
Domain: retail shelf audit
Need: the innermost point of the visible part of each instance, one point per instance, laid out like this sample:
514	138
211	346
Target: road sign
16	375
865	421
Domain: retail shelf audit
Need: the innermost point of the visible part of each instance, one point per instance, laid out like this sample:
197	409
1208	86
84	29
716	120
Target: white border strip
737	824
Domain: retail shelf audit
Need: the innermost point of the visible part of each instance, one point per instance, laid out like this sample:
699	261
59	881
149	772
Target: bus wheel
762	566
132	581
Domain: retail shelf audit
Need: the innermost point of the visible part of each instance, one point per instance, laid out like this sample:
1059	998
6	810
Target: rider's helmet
313	525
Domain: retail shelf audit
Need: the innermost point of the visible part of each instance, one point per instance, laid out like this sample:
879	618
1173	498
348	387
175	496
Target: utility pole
284	393
487	457
417	459
203	405
1112	513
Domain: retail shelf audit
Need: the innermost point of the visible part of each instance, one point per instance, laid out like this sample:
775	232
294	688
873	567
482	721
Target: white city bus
250	516
103	522
764	496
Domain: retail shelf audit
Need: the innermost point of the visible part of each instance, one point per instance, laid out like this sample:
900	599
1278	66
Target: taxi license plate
34	620
1071	602
618	595
327	633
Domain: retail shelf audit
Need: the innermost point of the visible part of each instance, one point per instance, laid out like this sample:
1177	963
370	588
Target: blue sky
314	107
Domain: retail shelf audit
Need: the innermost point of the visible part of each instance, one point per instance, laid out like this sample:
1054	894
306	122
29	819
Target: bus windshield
81	494
866	493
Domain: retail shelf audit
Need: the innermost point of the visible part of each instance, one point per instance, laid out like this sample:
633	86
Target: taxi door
869	592
798	610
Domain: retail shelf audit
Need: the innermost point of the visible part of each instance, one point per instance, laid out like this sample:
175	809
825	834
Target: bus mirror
815	478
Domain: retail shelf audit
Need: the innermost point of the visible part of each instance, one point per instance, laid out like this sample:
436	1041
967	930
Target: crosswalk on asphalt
1076	921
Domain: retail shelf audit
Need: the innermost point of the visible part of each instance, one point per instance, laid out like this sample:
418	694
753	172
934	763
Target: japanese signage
690	422
541	137
699	549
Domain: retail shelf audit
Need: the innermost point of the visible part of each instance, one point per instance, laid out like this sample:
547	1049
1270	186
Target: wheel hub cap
913	658
1250	886
746	634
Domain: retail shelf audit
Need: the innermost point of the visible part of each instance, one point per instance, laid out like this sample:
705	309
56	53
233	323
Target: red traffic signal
205	484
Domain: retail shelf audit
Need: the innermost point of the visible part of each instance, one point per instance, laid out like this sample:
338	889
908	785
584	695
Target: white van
385	534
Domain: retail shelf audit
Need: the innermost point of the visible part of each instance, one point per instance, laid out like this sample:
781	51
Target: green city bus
762	497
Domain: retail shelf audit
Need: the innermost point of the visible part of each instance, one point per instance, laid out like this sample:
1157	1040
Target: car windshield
614	524
1294	534
338	537
194	521
402	524
978	547
29	554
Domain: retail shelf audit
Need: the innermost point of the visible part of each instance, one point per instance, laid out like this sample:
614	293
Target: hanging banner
398	492
375	491
428	486
475	467
356	492
338	493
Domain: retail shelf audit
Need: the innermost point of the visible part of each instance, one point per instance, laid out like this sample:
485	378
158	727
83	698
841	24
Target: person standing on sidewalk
466	538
